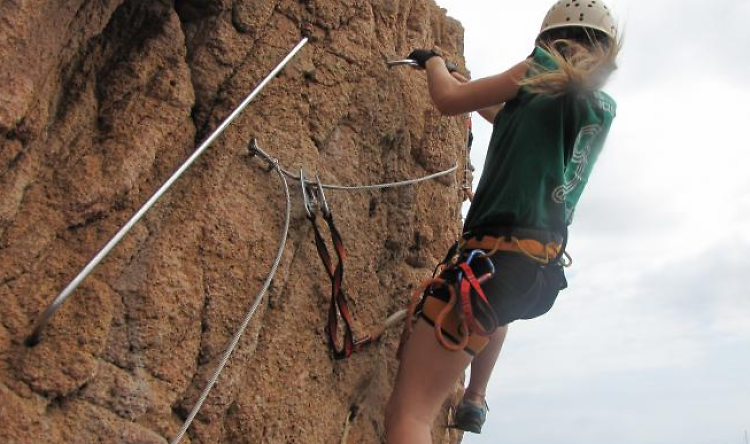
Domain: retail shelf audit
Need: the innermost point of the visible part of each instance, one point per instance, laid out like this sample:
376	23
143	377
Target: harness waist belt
530	247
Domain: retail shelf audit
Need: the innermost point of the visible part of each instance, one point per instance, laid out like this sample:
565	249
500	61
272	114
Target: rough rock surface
100	101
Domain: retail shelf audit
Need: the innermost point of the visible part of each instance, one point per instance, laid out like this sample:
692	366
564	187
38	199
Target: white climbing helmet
592	14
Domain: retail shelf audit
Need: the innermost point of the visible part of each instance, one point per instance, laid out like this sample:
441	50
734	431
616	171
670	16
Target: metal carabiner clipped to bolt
307	197
322	202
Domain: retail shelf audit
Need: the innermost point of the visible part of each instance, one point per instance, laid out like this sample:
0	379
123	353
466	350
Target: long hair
585	59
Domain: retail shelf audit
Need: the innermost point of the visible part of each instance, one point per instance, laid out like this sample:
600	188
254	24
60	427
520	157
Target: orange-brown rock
100	101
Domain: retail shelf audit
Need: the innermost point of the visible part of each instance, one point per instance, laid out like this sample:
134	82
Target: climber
550	120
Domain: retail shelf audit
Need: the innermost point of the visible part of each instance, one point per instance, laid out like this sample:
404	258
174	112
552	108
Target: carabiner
482	255
402	62
309	201
322	198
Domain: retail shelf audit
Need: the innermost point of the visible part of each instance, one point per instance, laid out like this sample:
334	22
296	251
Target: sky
650	344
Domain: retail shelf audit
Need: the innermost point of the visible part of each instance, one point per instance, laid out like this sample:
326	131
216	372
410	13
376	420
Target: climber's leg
427	375
482	366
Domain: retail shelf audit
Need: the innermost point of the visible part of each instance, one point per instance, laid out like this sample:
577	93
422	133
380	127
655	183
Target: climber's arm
488	114
452	97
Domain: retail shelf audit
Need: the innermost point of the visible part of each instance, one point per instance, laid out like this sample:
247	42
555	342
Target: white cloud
649	344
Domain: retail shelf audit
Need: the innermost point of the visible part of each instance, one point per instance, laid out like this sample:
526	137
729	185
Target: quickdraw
339	306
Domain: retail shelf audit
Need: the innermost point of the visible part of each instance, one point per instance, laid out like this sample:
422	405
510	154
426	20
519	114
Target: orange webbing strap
462	331
532	248
339	304
416	297
452	330
467	283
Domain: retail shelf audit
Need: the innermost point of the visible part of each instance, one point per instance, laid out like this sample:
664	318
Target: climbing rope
238	334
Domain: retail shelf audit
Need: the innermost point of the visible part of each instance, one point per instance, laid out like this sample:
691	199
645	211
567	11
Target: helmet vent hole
567	19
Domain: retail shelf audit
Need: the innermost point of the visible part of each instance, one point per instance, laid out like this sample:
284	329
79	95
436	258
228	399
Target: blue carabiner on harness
475	253
472	255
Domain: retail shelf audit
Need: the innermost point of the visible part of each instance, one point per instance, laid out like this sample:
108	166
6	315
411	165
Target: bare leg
482	366
427	374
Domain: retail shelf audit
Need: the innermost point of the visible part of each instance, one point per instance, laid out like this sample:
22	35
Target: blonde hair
583	65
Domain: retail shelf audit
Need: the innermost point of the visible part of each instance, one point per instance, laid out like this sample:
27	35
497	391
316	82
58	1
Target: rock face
101	100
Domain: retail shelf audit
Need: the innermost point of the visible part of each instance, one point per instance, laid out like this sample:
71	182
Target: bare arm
452	97
490	113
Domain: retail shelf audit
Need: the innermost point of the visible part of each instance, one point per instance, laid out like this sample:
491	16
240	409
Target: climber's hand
458	76
421	56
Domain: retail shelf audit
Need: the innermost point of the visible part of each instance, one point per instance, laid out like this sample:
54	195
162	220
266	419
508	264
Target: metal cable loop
391	184
238	334
256	150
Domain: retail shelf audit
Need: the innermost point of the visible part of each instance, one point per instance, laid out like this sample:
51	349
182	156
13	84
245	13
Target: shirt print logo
578	163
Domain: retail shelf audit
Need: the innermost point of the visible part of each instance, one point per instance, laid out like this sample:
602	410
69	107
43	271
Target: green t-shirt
539	159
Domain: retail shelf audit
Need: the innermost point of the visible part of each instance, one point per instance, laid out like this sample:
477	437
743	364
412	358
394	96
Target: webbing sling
467	282
339	304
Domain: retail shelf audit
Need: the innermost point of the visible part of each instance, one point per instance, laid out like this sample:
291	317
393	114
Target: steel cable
256	150
238	334
283	174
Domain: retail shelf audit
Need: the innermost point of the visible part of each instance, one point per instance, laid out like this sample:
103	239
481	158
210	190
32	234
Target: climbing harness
531	248
45	317
457	277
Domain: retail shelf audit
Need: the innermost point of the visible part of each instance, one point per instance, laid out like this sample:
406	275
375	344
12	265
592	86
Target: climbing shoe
470	417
